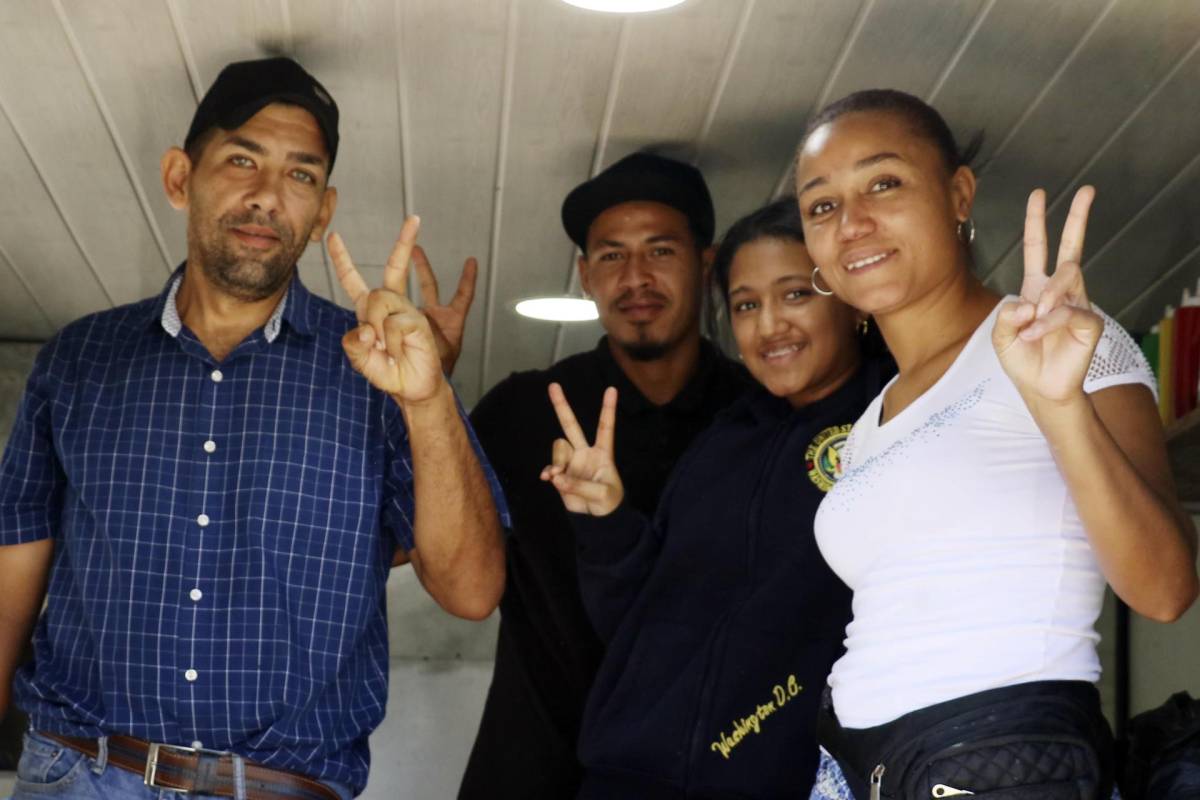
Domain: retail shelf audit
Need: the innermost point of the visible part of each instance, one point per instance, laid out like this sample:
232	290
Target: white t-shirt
953	526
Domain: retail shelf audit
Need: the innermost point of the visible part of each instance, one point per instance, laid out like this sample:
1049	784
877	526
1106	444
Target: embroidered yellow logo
781	693
823	456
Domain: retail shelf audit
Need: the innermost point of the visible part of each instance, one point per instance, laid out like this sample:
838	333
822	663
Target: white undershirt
968	561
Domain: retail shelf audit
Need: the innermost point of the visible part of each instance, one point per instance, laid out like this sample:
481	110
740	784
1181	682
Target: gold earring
818	289
863	326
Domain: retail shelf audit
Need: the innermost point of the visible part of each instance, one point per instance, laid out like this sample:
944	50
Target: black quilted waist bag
1037	741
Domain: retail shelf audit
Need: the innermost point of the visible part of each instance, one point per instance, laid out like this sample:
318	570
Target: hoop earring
968	225
818	289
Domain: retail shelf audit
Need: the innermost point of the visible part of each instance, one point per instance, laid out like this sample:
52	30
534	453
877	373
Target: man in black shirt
645	227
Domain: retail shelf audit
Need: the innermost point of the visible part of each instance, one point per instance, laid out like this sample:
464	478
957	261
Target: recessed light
624	6
558	309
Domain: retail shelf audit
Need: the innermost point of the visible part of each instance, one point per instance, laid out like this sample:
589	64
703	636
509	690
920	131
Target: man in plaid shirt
207	488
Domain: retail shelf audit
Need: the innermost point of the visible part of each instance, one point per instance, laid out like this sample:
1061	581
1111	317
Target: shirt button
210	446
196	594
191	675
202	520
196	745
217	376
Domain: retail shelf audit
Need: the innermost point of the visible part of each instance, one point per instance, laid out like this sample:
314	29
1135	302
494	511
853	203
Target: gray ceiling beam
506	101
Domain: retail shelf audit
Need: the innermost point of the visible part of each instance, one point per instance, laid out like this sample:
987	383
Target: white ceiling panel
1161	137
481	115
133	58
562	66
213	33
667	80
449	54
1006	63
782	66
72	146
1158	241
903	44
1129	53
1145	309
895	44
351	48
38	245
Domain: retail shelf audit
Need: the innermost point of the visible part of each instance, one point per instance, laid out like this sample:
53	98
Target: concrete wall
15	362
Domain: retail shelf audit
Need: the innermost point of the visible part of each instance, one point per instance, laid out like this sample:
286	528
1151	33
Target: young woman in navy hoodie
720	616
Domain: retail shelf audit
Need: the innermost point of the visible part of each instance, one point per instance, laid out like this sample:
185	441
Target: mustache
236	219
633	296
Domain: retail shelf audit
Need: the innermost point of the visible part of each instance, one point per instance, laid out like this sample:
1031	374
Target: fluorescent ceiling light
558	309
624	6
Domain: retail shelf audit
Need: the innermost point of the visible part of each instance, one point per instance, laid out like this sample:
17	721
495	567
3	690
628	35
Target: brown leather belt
186	769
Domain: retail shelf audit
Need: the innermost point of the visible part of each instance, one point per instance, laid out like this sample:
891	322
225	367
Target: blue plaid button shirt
222	534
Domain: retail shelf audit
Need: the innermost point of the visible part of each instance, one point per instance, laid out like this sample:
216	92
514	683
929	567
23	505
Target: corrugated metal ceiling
481	114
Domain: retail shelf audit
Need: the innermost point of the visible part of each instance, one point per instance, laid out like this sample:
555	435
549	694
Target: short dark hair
195	148
778	220
922	116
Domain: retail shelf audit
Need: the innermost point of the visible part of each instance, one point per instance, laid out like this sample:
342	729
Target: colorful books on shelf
1173	349
1187	355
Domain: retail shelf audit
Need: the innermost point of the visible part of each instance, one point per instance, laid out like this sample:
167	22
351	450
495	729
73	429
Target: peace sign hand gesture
585	475
1046	340
446	321
393	346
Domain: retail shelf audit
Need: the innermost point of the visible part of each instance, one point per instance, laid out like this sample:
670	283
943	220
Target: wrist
1060	414
441	397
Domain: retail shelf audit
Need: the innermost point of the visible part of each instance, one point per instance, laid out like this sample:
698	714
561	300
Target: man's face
644	271
256	196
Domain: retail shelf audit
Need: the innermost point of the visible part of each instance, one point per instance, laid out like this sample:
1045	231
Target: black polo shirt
547	654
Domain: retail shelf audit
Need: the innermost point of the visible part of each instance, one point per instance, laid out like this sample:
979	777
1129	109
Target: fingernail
391	361
364	336
379	345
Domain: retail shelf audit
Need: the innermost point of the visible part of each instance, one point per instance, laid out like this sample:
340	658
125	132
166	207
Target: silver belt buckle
151	773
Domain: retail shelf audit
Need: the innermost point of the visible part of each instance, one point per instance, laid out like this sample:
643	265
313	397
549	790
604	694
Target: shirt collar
296	308
690	397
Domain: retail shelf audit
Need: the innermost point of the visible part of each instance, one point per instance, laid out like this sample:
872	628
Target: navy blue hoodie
721	618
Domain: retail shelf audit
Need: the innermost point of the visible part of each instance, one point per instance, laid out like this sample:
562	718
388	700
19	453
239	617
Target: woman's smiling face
795	342
880	209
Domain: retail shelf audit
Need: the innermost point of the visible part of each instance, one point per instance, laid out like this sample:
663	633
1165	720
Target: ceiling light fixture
558	309
624	6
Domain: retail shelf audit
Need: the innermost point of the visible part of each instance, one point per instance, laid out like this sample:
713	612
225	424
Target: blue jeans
48	769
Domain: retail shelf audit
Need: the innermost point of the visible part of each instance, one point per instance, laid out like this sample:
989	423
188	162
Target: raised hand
393	346
1045	341
447	321
585	475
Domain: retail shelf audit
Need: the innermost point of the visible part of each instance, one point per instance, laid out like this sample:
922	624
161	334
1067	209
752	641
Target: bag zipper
877	782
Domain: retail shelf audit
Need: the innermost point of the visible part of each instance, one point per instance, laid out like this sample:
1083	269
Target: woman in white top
1014	465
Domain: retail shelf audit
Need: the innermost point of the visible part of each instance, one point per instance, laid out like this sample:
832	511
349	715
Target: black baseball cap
244	87
641	176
